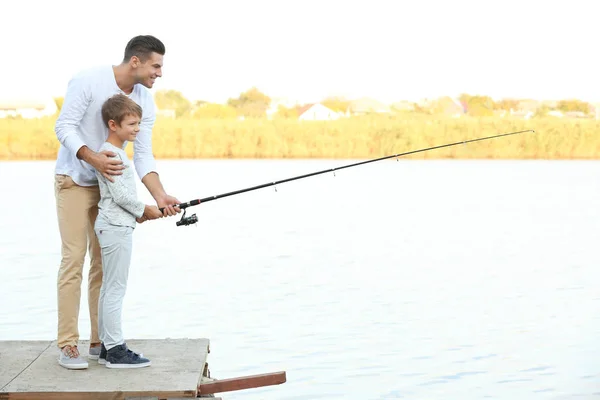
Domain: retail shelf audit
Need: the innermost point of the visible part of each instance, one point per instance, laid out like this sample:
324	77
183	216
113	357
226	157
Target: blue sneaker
121	357
101	355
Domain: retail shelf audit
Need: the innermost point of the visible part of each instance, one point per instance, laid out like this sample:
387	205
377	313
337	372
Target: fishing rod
192	219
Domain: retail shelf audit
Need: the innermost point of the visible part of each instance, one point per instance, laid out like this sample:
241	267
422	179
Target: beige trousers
77	209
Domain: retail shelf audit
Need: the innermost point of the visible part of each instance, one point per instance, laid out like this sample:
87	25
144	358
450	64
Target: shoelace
72	351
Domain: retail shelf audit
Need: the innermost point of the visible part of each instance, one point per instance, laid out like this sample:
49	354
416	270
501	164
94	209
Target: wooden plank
55	396
15	356
93	395
242	382
170	398
176	365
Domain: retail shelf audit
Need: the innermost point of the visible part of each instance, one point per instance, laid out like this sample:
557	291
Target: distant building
166	112
403	105
317	112
367	105
27	108
450	106
555	113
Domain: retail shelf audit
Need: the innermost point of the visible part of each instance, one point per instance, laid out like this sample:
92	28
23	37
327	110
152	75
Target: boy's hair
118	107
142	46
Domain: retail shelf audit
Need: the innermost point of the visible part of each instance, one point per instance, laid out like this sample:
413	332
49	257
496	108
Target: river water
396	279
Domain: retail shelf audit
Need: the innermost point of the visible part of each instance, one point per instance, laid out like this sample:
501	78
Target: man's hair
142	46
118	107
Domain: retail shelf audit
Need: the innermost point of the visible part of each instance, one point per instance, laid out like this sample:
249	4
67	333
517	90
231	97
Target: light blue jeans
115	243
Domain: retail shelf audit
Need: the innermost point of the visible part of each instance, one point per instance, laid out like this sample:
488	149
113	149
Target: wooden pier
30	370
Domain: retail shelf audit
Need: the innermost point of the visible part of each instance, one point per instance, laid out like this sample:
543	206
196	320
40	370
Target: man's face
148	71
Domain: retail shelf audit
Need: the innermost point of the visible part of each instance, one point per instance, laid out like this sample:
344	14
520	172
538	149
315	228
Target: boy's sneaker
102	356
98	353
121	357
71	359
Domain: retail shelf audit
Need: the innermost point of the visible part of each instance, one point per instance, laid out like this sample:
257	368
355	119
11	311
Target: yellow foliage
353	138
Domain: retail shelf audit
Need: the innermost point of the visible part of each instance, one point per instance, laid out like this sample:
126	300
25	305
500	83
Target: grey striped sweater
119	204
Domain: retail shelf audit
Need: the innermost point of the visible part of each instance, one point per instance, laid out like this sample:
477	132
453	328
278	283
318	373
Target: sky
307	50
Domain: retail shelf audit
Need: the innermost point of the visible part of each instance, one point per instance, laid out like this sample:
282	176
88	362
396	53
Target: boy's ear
112	125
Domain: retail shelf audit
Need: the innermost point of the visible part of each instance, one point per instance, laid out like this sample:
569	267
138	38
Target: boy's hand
152	212
141	220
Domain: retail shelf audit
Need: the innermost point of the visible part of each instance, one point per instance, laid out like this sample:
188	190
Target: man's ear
134	62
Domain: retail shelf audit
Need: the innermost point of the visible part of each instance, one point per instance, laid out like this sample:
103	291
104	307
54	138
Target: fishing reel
185	221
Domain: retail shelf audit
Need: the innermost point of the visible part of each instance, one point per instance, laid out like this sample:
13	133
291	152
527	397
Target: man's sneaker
121	357
98	353
70	358
94	352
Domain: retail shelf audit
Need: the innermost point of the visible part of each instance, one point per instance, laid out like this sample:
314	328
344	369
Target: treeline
249	104
255	104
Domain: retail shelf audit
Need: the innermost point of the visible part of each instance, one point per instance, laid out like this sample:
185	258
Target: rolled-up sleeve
74	106
143	158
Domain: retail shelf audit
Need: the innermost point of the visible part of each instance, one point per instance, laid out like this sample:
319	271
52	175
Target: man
81	132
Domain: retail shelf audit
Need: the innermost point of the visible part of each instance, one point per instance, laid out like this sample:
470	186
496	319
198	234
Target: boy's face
147	72
130	126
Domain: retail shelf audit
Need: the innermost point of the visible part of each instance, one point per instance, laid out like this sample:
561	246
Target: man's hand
103	162
163	200
141	219
168	203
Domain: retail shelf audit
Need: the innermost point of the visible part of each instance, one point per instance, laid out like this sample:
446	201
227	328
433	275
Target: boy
118	211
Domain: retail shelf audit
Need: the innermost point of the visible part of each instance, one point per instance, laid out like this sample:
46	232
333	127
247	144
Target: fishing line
192	219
